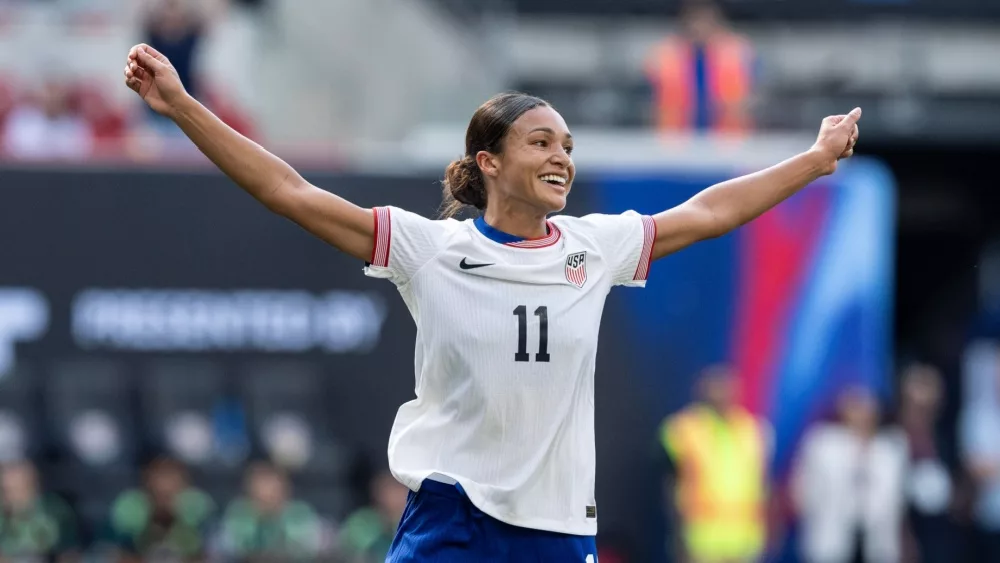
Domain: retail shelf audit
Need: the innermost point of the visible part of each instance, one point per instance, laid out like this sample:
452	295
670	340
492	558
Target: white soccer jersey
504	359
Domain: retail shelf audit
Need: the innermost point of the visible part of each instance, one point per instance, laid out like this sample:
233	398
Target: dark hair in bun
463	180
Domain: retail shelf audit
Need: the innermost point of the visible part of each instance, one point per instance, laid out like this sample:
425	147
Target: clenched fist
837	136
151	75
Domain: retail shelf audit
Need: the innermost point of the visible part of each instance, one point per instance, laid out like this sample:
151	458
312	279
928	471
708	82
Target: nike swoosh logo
466	266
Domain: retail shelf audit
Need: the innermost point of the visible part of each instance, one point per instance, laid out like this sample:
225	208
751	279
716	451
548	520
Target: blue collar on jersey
496	235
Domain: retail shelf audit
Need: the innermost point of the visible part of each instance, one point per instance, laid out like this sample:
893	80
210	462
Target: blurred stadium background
186	377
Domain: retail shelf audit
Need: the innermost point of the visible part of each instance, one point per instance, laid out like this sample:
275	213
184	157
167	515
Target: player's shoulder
597	225
595	220
408	220
407	215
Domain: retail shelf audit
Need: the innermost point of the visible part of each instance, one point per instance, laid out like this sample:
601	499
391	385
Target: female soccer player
498	446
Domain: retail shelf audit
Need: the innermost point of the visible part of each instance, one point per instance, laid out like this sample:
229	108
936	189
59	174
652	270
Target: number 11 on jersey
521	311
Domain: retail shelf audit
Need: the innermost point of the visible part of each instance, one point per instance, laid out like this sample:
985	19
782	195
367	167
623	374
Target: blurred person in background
703	76
177	28
267	523
34	525
367	533
979	441
718	454
47	127
930	483
848	485
167	518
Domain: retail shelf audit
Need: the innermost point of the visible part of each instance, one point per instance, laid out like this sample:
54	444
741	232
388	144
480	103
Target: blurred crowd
169	518
701	77
54	115
873	481
184	463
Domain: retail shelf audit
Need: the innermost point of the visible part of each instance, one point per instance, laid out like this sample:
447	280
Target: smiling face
535	169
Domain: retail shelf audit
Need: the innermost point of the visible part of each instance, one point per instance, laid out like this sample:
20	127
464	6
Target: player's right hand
150	74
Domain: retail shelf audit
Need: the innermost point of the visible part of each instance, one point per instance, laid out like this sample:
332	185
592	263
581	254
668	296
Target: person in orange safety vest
702	78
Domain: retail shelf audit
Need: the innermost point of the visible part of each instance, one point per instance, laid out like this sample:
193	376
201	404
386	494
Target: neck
916	417
866	433
517	221
718	408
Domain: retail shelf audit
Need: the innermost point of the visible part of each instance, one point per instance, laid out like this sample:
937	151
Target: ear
488	163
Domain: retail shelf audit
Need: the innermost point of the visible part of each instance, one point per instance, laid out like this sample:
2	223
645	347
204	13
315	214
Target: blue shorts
441	525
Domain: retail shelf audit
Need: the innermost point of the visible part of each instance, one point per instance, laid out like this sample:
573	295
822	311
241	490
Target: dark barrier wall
66	233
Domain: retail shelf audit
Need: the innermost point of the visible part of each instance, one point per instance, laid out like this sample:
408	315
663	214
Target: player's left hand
837	137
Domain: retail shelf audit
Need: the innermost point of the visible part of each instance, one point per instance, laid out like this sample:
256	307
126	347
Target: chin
554	204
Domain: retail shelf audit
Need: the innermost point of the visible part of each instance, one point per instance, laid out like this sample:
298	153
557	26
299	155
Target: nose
561	158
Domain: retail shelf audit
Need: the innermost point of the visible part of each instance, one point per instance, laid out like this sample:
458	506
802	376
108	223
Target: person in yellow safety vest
718	454
702	78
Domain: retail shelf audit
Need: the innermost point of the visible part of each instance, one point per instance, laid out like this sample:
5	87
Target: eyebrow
549	131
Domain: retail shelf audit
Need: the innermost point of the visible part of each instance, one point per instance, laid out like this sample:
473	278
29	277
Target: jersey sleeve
626	240
404	243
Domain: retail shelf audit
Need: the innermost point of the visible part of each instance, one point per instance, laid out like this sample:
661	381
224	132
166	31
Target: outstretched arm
724	207
261	174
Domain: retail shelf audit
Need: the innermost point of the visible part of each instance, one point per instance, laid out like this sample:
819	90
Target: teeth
553	178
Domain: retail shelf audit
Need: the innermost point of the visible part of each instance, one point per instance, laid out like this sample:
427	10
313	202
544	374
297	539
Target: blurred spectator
166	518
702	77
367	533
47	127
176	29
34	525
930	485
267	523
848	486
717	458
980	447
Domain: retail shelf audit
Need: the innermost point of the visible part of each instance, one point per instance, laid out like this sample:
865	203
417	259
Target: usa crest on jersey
576	268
